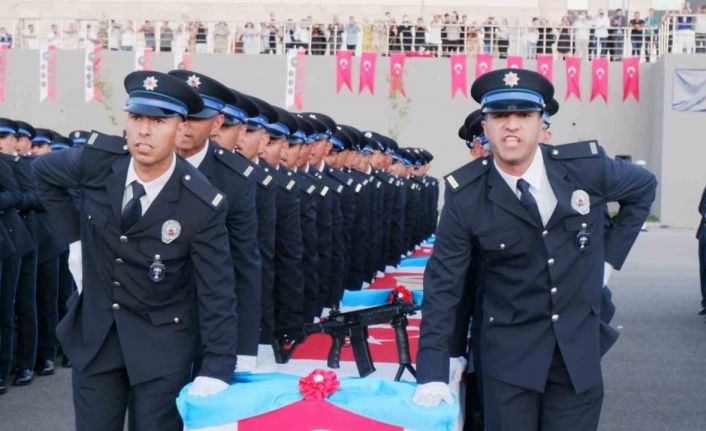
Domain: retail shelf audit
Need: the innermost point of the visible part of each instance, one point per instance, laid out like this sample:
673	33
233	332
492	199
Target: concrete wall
647	130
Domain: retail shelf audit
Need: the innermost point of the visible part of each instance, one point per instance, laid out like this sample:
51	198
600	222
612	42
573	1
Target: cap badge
150	83
511	79
193	81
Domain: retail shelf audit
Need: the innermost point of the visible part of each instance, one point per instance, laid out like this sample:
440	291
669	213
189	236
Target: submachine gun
353	327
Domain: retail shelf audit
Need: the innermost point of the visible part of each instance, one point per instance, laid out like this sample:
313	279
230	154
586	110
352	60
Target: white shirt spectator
601	24
582	29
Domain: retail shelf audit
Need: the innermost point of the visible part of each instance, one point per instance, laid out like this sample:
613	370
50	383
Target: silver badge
580	202
171	229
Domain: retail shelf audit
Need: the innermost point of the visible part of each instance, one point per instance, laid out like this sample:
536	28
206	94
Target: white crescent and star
572	71
367	65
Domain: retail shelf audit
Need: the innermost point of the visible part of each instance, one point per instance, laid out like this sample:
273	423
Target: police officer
701	236
157	274
230	174
538	229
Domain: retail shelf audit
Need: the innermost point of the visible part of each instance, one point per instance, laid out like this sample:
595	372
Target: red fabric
515	62
318	385
51	72
599	84
389	281
545	66
573	73
484	64
367	72
97	59
397	73
631	77
419	55
313	415
3	70
186	60
299	81
148	59
459	79
381	341
344	63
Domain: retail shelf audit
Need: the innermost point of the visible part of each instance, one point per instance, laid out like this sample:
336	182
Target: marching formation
215	220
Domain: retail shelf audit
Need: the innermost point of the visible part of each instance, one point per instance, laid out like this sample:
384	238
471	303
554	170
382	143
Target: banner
344	61
367	72
484	64
545	66
47	72
182	60
459	79
599	83
295	79
397	73
631	77
689	92
143	58
3	70
92	62
515	62
573	75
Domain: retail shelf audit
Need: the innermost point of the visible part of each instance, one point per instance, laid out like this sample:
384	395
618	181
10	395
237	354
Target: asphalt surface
655	376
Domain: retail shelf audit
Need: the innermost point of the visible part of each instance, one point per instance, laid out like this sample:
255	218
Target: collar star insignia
150	83
511	79
194	81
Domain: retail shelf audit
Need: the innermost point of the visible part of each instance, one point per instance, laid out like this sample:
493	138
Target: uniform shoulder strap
466	174
199	185
234	162
108	143
575	150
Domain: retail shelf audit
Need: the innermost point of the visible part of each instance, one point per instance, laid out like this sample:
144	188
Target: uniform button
555	318
502	246
116	306
550	262
545	233
485	162
90	217
220	152
554	291
123	239
584	225
118	260
176	320
124	147
555	152
491	319
116	283
187	178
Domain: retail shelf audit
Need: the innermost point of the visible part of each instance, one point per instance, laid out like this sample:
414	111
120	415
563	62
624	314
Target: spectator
489	35
114	39
503	38
201	38
434	36
618	23
405	31
581	28
379	36
636	34
367	36
564	46
700	29
147	30
249	38
29	37
545	43
53	37
651	32
5	37
601	24
166	36
289	36
70	37
318	39
393	37
352	30
302	35
127	37
453	34
181	39
90	38
444	41
531	38
335	31
272	33
473	38
221	34
684	37
420	32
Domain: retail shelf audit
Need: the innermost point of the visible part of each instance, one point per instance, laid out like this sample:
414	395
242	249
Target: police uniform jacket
11	200
541	289
158	315
308	191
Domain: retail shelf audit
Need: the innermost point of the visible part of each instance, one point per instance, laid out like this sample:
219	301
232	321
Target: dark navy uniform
308	192
701	236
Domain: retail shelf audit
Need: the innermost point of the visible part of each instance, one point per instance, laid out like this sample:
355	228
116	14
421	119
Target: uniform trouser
26	312
66	284
702	270
10	275
102	394
47	308
558	408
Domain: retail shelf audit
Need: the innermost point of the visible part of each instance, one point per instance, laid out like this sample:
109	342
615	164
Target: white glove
76	264
431	394
265	354
204	386
325	312
457	366
246	363
607	271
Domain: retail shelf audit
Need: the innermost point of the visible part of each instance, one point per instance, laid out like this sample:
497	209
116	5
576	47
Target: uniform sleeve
702	204
57	178
30	197
10	196
213	269
289	285
634	189
443	287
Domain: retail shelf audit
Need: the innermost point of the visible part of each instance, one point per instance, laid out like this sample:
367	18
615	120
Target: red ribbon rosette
400	293
318	385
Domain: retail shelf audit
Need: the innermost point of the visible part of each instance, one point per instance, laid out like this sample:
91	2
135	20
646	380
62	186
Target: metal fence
675	33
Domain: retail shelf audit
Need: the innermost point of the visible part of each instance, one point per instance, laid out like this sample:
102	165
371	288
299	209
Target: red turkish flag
631	77
3	70
515	62
599	85
545	66
459	80
573	73
344	60
367	72
484	64
397	73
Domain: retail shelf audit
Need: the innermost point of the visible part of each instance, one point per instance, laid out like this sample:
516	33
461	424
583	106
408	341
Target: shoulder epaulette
575	150
108	143
285	180
341	177
306	184
195	181
333	185
235	162
264	179
466	174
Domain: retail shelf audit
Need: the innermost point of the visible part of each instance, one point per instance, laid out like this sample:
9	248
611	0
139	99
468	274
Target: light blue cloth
255	394
689	91
417	261
373	297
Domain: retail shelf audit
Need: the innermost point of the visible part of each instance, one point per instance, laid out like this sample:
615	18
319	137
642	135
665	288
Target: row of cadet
315	208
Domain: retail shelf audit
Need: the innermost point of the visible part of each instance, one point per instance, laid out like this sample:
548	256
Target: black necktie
528	201
133	209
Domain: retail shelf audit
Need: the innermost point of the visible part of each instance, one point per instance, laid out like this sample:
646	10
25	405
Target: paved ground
655	375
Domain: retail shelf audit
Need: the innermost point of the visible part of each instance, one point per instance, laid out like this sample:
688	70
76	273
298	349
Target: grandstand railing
674	34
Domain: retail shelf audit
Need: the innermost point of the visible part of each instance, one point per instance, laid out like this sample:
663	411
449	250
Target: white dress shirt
541	189
197	158
152	188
